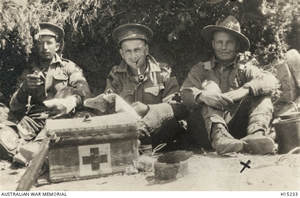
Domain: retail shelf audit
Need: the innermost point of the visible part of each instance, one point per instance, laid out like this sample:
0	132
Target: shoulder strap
207	65
165	67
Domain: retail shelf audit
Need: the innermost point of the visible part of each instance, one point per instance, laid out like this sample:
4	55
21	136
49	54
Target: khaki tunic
157	87
159	90
61	73
233	77
251	114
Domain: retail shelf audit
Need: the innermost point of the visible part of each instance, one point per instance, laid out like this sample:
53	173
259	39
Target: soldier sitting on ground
145	84
51	87
233	99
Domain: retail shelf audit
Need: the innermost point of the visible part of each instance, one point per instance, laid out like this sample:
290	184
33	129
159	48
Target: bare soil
206	172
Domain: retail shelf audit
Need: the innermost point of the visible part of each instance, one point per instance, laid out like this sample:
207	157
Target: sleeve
171	86
192	86
260	82
113	84
170	97
19	100
78	82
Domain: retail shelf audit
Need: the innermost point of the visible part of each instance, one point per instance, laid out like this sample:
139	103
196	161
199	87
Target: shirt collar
56	59
214	62
153	65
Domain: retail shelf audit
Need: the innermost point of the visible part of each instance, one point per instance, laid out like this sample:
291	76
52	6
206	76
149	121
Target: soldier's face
134	52
225	46
47	47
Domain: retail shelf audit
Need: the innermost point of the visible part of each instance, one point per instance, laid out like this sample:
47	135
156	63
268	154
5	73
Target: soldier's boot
223	142
258	143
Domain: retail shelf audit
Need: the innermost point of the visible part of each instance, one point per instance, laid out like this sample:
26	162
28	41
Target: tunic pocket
60	76
153	90
127	94
60	80
152	94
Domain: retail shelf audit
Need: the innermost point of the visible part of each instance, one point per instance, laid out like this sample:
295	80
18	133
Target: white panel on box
94	159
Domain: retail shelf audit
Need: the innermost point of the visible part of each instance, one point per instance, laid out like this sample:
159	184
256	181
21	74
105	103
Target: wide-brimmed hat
231	26
51	29
132	31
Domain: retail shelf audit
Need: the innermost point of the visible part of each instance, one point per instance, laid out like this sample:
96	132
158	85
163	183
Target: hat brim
45	32
119	30
208	34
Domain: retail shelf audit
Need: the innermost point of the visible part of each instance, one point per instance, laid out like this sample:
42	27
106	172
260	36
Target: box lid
114	123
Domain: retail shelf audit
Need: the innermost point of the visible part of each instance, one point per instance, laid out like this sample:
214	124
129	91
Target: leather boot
223	142
258	143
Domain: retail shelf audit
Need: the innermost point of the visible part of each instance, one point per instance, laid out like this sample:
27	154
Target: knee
211	86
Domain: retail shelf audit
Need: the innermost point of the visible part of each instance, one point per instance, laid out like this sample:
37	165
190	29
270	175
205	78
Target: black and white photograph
101	96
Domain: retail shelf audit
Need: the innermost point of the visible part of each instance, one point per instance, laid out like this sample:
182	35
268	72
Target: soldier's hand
142	129
141	108
238	94
34	80
216	100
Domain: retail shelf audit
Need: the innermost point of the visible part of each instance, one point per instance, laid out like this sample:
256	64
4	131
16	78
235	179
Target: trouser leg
260	115
211	115
251	115
160	123
166	134
216	126
237	118
196	128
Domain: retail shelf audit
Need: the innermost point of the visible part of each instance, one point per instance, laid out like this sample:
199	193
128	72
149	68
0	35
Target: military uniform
8	136
250	115
207	76
159	90
59	83
61	73
140	80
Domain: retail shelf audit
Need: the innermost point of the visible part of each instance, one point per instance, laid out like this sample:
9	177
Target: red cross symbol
94	159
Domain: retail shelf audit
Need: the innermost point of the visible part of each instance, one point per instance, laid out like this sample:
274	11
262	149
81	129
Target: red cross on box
94	159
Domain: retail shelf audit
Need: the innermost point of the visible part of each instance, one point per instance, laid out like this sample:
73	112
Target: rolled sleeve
171	89
156	115
192	86
171	96
79	83
260	82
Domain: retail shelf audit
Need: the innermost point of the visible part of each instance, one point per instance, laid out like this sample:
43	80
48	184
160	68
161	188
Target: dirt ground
206	172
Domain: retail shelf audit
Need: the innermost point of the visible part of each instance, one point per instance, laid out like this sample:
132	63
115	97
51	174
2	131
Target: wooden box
92	147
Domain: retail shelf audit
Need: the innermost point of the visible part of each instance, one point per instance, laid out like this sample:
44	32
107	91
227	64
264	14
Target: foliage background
272	26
